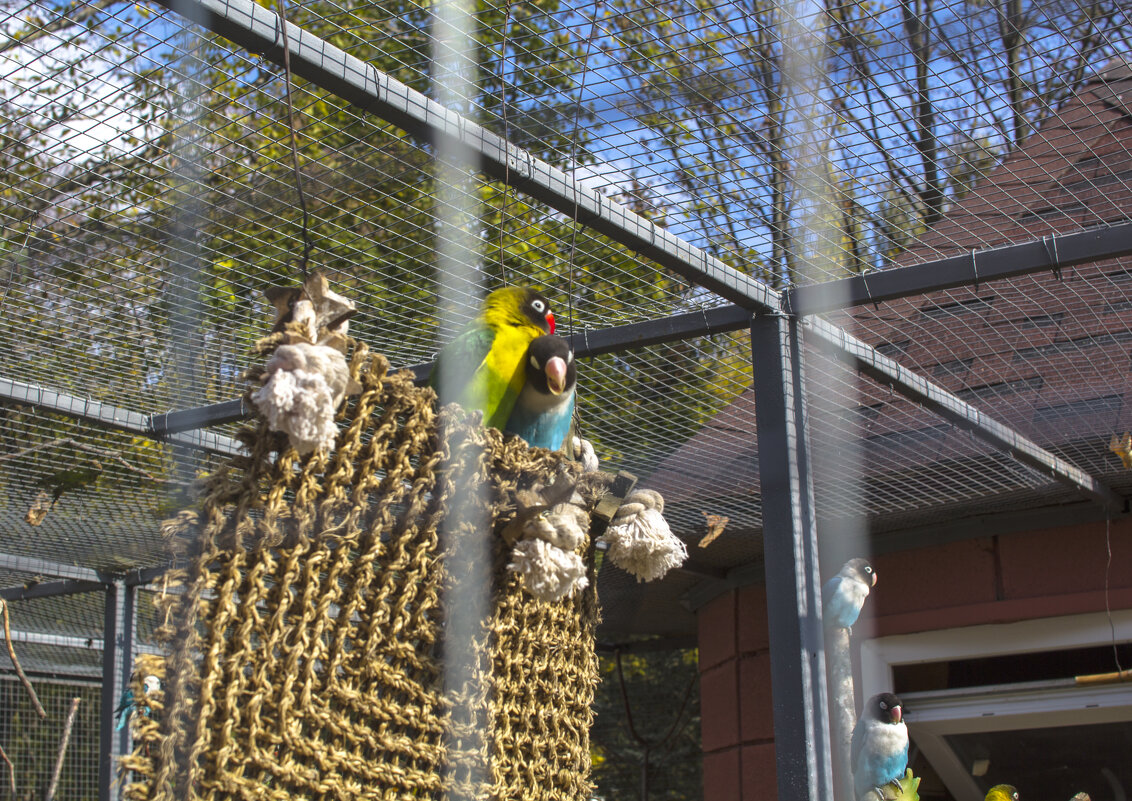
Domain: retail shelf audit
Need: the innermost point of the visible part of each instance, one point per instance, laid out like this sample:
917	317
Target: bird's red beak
556	375
550	321
874	579
897	713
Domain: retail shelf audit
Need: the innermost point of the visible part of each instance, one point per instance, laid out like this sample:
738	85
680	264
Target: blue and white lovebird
545	407
844	595
878	750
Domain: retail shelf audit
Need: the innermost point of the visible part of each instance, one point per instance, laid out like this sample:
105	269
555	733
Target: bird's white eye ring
534	362
868	570
883	705
538	306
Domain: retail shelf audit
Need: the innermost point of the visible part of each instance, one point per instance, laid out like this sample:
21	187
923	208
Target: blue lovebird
879	747
128	706
844	594
544	409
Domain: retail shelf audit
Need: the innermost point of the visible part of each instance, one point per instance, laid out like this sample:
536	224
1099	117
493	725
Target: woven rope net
305	639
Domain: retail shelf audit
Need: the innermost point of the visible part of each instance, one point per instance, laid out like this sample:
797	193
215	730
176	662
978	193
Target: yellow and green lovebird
1002	792
482	368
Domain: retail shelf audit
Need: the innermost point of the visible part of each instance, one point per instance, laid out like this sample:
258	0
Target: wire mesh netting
150	196
33	744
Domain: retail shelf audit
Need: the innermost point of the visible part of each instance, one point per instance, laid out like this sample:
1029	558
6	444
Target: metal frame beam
790	555
51	589
59	640
674	328
948	406
256	29
114	417
1048	253
117	657
44	567
73	579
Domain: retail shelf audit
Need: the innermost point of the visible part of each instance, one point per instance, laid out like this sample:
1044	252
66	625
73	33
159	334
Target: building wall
1058	571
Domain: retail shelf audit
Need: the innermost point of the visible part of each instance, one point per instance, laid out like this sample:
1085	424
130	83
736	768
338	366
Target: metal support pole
117	655
127	648
790	549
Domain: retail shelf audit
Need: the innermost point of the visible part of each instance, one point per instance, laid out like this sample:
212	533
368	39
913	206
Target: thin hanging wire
1107	606
574	158
578	429
507	190
307	244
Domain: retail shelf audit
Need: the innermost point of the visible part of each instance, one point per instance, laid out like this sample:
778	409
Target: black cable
307	244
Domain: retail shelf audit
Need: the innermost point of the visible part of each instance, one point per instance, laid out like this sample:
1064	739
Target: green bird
483	367
71	479
1002	792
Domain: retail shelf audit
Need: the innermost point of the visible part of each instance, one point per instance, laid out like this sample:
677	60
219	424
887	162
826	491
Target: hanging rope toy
306	378
639	539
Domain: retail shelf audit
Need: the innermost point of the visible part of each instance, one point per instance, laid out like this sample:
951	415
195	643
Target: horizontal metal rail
947	405
51	589
979	266
114	417
673	328
47	568
60	640
256	28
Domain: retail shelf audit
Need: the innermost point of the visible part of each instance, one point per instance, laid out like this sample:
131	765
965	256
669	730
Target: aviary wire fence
149	198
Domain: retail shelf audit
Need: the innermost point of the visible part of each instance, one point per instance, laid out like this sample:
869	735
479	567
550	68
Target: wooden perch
1115	677
16	662
11	772
63	741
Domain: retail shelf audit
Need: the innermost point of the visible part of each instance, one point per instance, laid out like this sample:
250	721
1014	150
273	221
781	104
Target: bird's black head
885	707
861	570
514	305
536	308
550	365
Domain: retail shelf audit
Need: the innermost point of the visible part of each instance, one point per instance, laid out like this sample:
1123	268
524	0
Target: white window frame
933	715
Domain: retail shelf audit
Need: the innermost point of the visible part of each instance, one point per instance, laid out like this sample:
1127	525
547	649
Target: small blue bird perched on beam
544	410
879	746
843	596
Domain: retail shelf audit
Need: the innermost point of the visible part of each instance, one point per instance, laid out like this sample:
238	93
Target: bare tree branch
11	771
16	662
63	741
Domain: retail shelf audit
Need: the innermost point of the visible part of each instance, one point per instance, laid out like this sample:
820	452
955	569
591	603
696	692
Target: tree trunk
931	189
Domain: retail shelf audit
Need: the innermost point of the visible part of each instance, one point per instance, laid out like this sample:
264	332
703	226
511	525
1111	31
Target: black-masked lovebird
545	406
1002	792
844	595
483	367
879	746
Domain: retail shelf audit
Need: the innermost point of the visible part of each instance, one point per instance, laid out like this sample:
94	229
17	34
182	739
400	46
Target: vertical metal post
117	648
790	551
127	638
